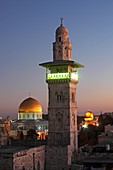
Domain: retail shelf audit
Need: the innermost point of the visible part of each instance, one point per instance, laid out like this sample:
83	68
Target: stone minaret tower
62	78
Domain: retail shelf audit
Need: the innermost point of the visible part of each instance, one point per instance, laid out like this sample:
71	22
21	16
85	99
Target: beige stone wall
14	133
109	128
27	158
105	137
3	134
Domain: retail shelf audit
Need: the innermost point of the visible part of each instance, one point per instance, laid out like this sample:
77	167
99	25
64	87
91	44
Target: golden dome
30	105
89	116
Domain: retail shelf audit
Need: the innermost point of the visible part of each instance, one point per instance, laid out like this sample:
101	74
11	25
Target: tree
31	134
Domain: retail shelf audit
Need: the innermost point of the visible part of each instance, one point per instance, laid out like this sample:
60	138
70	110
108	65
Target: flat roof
98	160
13	149
61	62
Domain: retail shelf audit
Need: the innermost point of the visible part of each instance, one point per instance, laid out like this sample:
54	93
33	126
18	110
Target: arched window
23	168
59	39
61	96
38	166
59	121
73	97
57	96
66	51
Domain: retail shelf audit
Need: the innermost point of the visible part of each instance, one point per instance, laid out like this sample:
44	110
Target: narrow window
57	96
38	166
61	95
73	97
59	39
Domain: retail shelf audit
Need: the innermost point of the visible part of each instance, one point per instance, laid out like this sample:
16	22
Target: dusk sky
27	31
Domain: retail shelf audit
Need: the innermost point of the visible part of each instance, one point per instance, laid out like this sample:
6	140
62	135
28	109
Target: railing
61	76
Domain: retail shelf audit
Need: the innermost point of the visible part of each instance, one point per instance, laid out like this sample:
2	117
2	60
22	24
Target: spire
61	21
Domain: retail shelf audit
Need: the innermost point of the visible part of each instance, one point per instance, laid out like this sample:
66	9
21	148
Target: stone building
29	117
3	133
22	158
62	79
62	143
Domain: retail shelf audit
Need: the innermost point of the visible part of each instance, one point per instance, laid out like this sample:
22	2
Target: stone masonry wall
57	158
29	159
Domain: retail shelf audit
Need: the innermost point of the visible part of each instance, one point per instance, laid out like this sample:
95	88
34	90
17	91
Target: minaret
62	78
62	48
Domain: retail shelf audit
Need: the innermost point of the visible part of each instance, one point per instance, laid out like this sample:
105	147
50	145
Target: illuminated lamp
84	126
74	75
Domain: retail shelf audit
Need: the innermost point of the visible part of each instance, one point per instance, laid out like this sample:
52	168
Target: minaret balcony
62	76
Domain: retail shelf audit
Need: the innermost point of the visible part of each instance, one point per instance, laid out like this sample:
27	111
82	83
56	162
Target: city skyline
27	33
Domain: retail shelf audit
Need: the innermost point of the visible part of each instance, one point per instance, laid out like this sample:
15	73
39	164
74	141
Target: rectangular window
73	97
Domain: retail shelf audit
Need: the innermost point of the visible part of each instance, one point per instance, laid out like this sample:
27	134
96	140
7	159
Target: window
59	121
59	38
59	137
59	97
73	97
38	166
73	119
23	168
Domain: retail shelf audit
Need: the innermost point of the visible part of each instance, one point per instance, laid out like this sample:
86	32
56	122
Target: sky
27	33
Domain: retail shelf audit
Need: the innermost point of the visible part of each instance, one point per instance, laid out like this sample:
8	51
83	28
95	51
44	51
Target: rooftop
13	149
62	62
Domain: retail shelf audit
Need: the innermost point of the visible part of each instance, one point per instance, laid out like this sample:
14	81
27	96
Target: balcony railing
61	76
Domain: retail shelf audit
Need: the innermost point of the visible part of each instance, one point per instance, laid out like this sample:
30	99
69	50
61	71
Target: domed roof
61	29
30	105
89	115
